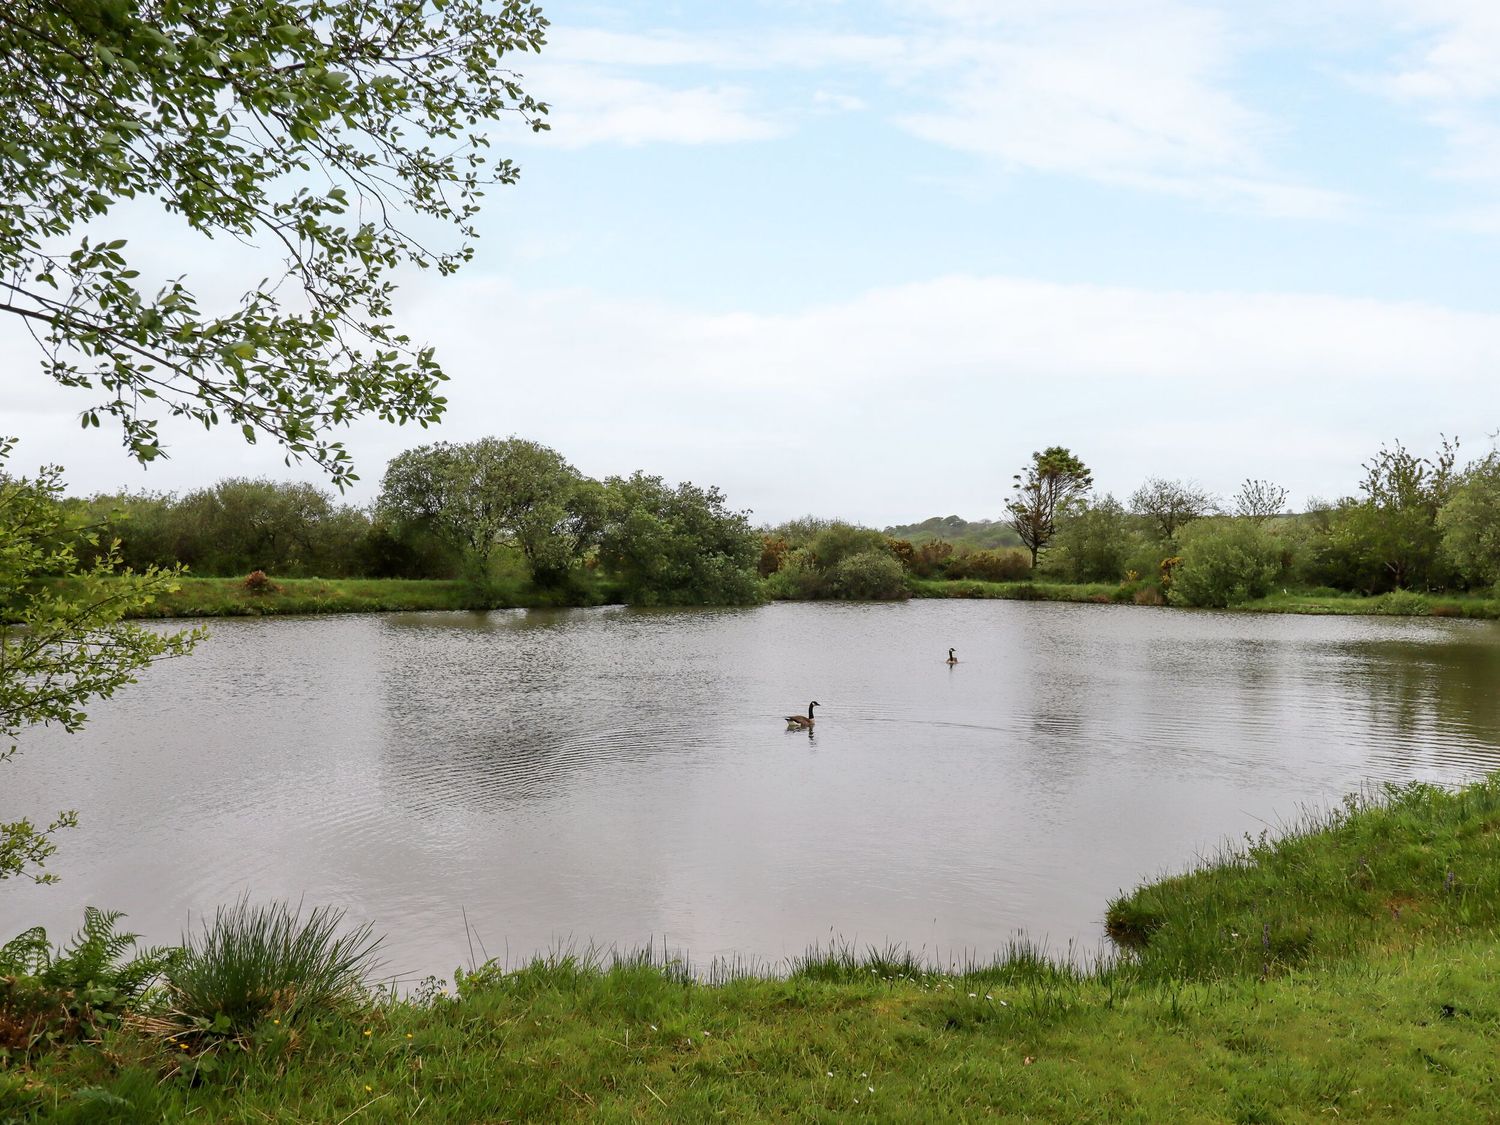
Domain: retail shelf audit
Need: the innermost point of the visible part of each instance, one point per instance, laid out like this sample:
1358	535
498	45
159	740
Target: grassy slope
1347	971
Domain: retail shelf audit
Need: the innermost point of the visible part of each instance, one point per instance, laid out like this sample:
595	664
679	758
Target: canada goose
802	722
951	658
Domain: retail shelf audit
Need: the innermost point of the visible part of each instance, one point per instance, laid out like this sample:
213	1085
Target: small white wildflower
870	1088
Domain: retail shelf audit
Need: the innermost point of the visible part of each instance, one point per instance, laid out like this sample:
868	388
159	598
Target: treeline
481	511
506	510
1418	523
961	534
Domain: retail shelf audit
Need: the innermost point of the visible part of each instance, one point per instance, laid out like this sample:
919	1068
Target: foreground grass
1346	970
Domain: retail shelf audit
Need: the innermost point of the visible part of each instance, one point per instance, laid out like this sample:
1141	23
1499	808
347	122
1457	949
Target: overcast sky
860	259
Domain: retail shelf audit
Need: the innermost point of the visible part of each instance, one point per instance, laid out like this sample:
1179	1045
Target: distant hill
977	535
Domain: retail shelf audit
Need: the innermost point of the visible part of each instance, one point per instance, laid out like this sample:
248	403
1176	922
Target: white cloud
911	400
590	106
1132	94
1449	76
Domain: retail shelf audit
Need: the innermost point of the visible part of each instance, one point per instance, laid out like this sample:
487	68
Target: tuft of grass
253	961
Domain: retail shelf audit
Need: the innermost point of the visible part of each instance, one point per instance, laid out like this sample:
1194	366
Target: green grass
230	597
1399	603
1029	591
1344	971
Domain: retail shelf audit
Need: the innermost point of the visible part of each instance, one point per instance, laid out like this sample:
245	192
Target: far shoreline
230	597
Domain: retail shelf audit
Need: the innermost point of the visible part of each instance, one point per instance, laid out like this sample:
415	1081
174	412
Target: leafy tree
492	493
71	644
1050	486
677	546
1096	542
1168	504
312	127
1224	562
1470	522
1259	500
281	527
1398	522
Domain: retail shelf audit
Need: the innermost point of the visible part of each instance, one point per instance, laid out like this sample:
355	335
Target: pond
529	781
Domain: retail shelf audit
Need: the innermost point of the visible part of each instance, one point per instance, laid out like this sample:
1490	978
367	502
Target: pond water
617	776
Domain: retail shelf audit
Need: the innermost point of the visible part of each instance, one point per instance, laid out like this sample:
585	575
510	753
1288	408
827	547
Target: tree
1259	500
311	127
492	493
1054	482
1403	494
62	638
1470	522
1168	504
677	546
1096	542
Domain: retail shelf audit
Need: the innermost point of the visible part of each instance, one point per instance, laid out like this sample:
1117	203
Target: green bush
870	576
990	566
1224	562
253	961
1402	603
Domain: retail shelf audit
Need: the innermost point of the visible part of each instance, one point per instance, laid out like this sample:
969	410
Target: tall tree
311	127
63	642
1054	482
1403	494
1168	504
491	493
1470	522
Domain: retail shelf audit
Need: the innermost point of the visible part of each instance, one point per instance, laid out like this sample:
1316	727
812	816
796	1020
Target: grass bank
1345	970
232	597
1399	603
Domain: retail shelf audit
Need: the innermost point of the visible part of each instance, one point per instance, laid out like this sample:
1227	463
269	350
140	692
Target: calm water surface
619	776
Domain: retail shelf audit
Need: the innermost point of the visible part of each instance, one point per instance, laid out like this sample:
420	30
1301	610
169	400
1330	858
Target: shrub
48	994
1224	561
868	575
1402	603
931	558
990	566
773	551
257	583
252	961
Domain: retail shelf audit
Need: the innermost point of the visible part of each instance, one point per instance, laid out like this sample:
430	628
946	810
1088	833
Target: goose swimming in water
802	722
951	658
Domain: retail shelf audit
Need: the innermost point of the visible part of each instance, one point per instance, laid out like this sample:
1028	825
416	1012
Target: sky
860	258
